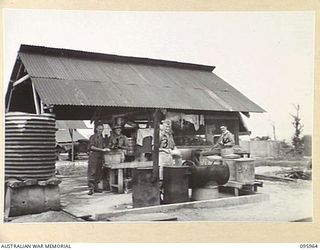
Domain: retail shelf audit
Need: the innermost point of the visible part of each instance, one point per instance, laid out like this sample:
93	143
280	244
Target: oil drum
145	189
175	184
29	146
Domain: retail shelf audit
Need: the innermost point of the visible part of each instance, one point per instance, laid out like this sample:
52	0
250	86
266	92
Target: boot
90	192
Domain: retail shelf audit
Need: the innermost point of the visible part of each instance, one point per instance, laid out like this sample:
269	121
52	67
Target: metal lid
214	157
231	156
244	159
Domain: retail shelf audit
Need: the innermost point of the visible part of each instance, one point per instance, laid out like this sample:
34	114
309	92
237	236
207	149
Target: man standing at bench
96	149
226	139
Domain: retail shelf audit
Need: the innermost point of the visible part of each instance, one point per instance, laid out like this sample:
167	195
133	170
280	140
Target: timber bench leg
120	180
112	179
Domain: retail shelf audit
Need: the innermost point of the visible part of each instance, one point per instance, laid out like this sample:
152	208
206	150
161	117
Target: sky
268	56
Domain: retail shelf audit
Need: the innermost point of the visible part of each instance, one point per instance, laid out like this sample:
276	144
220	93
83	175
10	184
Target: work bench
116	173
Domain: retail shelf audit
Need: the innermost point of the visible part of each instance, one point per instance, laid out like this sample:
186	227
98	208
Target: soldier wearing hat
117	140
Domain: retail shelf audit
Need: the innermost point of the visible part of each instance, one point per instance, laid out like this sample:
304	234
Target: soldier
117	139
226	139
118	142
96	150
169	155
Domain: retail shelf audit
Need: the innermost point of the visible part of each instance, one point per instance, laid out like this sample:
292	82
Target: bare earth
289	201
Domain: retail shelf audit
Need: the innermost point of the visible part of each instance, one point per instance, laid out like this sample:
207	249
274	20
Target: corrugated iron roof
66	77
66	124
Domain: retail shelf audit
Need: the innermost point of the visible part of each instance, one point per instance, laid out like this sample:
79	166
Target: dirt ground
289	201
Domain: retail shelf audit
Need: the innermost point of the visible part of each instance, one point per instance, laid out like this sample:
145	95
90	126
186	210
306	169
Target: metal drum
145	190
175	184
29	146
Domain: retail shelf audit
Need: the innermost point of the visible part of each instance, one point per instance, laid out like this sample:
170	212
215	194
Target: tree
297	142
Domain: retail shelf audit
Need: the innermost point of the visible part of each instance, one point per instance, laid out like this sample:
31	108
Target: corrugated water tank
29	146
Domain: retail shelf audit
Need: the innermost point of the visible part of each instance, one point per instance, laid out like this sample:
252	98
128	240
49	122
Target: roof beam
247	114
35	100
21	80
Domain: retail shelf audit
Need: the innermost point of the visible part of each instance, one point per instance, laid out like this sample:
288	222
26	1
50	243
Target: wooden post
72	146
120	181
41	107
9	101
21	80
156	143
35	99
236	131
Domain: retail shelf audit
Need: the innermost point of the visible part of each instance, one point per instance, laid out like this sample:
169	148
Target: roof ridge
111	57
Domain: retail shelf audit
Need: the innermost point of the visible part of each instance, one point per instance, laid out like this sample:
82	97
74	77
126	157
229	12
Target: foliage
297	141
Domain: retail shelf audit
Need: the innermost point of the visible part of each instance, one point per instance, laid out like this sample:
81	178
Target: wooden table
118	170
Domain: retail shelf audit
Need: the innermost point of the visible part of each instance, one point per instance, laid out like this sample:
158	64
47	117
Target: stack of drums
29	146
131	146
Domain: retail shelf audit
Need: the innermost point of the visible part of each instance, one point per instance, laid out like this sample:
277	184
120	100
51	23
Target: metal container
113	157
202	176
205	193
245	170
145	189
175	184
29	146
230	161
